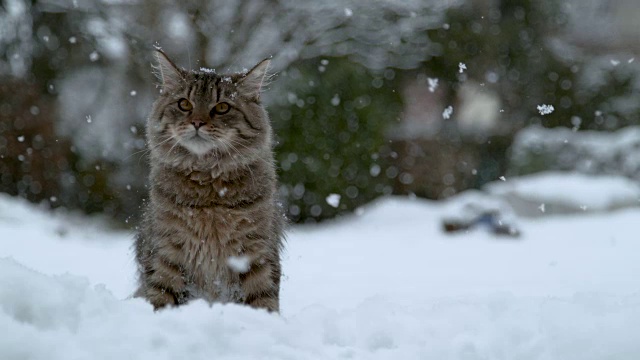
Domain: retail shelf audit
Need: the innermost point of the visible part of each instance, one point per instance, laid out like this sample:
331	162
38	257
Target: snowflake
239	264
447	112
333	200
462	67
335	100
545	109
433	84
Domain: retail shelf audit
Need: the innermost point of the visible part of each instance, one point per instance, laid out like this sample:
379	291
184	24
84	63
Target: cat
212	228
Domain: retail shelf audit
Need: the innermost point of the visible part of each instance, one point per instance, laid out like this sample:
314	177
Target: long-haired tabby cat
212	228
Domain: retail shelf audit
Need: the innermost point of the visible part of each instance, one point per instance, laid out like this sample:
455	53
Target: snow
335	100
207	70
333	200
240	264
566	192
433	84
385	284
591	152
541	207
545	109
375	170
462	67
446	114
94	56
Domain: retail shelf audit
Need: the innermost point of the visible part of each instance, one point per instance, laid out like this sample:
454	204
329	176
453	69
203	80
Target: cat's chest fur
212	220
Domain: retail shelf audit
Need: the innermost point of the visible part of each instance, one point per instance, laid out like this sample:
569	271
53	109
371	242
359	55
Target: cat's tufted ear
166	71
251	84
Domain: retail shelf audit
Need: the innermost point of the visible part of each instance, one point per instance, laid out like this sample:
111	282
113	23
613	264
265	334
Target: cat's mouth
197	135
197	143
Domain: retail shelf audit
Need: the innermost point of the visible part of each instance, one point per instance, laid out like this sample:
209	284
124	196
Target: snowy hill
387	284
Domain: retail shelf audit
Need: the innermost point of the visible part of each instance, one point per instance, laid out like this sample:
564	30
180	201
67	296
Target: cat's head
205	114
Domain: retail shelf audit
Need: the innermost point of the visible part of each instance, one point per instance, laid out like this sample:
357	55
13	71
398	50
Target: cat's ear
166	71
251	84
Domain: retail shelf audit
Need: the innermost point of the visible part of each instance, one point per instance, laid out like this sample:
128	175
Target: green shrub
330	120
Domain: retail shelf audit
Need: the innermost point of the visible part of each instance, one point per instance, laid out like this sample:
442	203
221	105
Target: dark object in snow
490	220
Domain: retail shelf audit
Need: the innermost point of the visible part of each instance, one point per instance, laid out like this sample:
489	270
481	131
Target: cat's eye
221	108
185	105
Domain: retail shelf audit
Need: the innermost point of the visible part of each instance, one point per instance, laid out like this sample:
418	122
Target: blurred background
371	98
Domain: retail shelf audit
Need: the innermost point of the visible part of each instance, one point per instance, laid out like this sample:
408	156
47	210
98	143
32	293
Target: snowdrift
384	285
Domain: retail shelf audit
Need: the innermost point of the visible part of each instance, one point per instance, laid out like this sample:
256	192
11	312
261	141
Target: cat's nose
197	123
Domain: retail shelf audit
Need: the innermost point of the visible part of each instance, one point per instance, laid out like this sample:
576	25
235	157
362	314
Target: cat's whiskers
172	147
236	142
228	142
149	149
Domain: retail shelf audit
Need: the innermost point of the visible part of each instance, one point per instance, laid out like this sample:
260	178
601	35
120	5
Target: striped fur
213	194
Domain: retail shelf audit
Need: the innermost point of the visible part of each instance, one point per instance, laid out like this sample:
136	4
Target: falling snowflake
94	56
462	67
446	114
545	109
502	178
348	12
541	207
433	84
615	62
335	100
375	170
239	264
89	119
133	93
333	200
21	138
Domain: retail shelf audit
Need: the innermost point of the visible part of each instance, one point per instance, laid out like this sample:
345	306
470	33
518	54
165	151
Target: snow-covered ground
387	284
566	193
